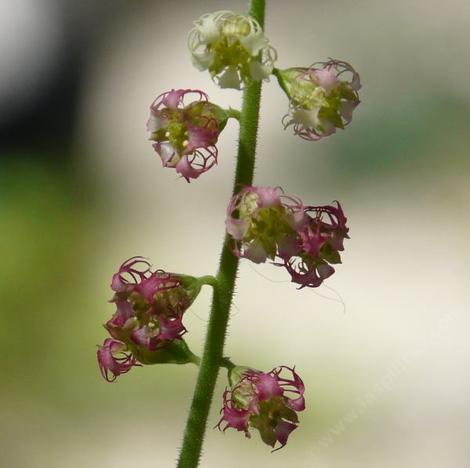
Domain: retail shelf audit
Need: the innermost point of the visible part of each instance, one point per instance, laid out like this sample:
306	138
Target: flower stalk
212	357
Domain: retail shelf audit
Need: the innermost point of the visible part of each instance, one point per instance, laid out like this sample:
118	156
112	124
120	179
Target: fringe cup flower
322	98
260	223
114	360
268	402
232	47
148	317
185	135
317	246
265	223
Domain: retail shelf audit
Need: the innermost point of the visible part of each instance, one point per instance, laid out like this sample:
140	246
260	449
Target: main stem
223	290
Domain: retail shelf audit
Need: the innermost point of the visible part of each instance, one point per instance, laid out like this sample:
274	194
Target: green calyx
235	374
176	352
268	227
181	296
206	114
242	389
190	286
271	412
301	90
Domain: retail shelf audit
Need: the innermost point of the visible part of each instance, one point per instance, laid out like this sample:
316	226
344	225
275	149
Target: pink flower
318	245
113	359
321	98
263	223
185	134
259	222
150	304
149	314
268	402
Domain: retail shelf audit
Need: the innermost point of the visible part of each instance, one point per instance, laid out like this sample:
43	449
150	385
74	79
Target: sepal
177	352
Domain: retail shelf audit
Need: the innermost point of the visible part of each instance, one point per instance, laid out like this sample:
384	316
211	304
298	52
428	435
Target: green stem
195	359
233	113
212	357
208	280
227	363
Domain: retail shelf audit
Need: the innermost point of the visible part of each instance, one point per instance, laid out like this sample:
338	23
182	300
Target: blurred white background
382	347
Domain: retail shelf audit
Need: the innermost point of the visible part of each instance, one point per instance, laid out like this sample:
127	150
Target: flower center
177	134
308	95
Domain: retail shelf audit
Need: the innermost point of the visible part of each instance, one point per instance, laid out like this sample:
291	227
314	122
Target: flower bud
321	98
268	402
232	47
148	322
185	134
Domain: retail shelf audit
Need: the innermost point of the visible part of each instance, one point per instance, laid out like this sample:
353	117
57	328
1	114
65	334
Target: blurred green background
383	348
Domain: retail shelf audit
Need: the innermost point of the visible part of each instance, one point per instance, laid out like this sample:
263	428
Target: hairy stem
223	289
209	280
233	113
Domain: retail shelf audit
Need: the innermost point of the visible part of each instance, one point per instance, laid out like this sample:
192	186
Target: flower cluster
322	97
232	47
185	134
265	223
148	318
267	401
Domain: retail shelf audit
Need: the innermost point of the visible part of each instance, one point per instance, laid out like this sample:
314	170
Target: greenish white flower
321	98
232	47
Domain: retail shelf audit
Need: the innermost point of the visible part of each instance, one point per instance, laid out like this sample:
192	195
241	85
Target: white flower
322	97
232	47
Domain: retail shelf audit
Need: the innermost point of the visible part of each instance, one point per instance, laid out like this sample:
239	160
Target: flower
260	223
267	401
185	135
263	223
113	359
322	97
317	246
232	47
149	305
148	318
